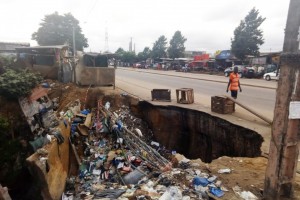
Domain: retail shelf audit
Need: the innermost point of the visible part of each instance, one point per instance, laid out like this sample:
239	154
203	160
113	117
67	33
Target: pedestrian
234	83
184	68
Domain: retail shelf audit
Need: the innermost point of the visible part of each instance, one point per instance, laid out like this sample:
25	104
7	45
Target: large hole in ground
198	134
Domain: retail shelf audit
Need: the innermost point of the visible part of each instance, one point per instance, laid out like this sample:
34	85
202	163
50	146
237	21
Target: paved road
257	94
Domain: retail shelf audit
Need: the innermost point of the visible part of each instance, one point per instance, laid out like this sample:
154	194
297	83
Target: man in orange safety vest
234	83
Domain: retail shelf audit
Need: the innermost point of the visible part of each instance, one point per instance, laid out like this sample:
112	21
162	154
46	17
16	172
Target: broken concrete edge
263	128
51	172
202	79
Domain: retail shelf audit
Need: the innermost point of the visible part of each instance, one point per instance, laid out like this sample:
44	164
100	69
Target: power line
91	9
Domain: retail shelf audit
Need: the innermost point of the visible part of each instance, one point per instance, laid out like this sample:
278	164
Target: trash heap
117	162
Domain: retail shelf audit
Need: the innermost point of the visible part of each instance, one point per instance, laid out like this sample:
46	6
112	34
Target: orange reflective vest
234	81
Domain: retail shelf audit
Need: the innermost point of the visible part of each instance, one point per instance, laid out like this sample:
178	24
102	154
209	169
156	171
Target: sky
208	25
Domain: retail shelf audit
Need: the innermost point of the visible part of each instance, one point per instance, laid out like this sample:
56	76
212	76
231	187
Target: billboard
201	57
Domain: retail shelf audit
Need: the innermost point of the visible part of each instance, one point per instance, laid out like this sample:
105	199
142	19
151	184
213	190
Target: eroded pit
198	134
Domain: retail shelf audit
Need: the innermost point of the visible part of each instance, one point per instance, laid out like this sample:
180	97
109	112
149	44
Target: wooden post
283	153
250	110
75	152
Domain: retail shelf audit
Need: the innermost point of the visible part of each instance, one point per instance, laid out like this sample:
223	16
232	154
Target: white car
271	76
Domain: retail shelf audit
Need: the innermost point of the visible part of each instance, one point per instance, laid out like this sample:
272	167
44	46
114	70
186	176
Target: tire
268	78
226	74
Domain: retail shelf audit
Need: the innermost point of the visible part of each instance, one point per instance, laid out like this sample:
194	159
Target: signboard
259	61
294	110
225	54
201	57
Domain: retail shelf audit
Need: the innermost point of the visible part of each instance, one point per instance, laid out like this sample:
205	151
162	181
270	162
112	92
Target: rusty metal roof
43	47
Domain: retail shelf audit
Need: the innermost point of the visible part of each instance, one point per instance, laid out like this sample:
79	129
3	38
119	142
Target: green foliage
126	56
58	29
15	84
120	51
248	36
7	61
176	48
145	54
129	57
159	48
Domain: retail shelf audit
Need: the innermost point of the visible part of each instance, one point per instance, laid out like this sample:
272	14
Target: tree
129	57
126	56
58	29
247	36
176	48
120	51
159	48
145	54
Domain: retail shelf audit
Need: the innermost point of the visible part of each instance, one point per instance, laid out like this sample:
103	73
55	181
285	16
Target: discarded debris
117	161
224	171
246	195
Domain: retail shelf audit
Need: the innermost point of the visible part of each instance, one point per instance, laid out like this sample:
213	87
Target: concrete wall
98	76
52	183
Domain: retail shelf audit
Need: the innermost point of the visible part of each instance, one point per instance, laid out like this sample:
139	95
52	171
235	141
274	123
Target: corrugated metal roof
98	54
43	47
11	46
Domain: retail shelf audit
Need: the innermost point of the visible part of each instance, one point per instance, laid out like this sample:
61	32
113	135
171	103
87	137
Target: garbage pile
116	162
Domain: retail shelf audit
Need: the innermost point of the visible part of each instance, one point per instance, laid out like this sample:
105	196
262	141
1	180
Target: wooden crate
185	95
161	95
222	105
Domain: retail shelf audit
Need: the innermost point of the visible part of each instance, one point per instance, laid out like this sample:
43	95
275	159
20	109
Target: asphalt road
136	82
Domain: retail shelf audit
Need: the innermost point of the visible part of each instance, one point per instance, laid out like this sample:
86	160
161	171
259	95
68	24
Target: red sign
201	57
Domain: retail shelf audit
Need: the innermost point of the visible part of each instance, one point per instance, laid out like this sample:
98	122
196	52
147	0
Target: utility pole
74	56
130	45
74	47
283	153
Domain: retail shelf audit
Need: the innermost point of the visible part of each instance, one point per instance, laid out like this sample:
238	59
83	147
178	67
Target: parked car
249	72
270	68
228	70
271	76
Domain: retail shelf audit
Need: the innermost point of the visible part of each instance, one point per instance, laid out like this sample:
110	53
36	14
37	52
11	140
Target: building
191	54
9	48
50	61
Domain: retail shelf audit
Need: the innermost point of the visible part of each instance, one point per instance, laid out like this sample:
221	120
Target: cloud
207	24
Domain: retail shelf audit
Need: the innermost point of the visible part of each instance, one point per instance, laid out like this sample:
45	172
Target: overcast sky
208	25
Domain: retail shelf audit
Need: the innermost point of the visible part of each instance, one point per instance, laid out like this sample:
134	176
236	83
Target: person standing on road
234	83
